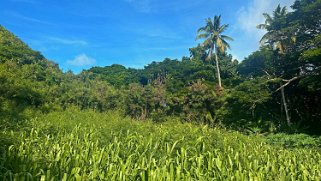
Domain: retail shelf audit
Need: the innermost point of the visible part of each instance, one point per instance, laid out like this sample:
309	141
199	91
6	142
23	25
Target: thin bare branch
293	79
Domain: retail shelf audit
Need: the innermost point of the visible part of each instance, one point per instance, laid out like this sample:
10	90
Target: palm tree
277	39
214	40
274	37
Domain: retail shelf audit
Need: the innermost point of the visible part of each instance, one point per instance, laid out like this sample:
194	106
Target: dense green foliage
58	125
87	145
276	88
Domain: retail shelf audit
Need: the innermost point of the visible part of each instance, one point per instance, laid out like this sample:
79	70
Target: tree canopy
278	83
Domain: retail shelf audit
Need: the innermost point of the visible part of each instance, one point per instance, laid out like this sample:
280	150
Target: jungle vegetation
204	116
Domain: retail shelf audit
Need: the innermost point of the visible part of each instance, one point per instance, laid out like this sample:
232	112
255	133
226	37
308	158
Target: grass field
75	145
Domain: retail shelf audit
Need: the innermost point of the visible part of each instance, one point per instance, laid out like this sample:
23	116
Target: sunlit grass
74	145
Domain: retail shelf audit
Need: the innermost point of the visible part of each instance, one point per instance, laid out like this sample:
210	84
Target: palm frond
265	38
207	43
261	26
277	11
223	28
220	45
211	32
201	29
217	22
268	18
209	25
202	36
225	44
284	11
225	37
272	36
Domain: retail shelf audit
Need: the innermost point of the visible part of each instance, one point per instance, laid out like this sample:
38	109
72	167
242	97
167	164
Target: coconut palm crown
214	40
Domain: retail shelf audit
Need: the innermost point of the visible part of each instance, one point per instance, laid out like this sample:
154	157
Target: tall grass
76	145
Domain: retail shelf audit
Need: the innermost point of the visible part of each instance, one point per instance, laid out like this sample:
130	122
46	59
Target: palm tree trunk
288	120
218	69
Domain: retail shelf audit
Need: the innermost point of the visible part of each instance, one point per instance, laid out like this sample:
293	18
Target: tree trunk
218	69
288	120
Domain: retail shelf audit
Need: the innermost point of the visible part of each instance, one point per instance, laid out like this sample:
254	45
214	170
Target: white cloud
82	60
249	17
67	41
246	35
234	57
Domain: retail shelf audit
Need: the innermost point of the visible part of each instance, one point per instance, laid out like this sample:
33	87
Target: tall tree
276	39
214	40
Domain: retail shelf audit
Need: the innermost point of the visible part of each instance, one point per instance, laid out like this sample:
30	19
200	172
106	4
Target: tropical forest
205	116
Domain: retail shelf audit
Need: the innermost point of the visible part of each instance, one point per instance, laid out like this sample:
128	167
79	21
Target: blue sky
79	34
